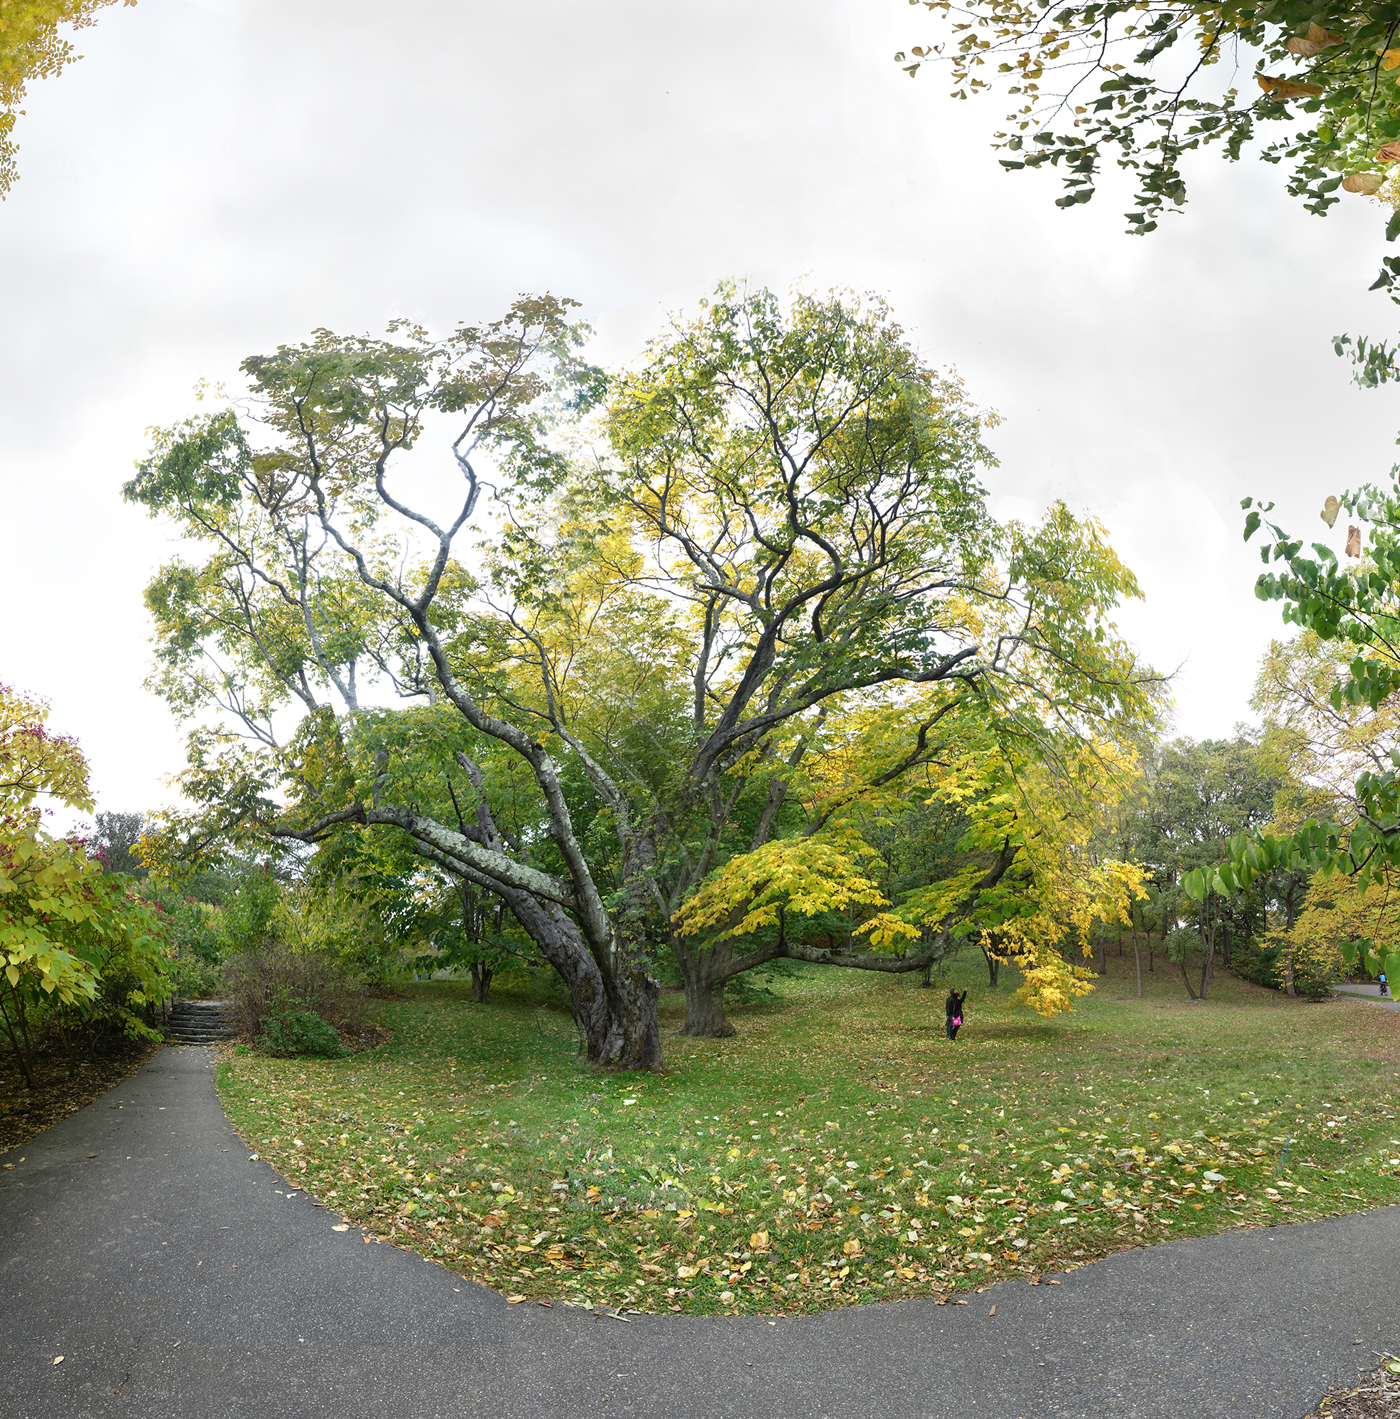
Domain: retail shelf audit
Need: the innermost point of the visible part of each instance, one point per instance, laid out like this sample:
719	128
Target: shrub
194	978
287	1030
270	979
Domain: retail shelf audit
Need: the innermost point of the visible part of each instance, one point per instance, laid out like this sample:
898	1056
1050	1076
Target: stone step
199	1022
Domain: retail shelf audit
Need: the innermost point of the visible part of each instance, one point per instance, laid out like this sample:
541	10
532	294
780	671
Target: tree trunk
1186	977
1208	943
634	1035
1137	958
1225	943
1291	909
1103	955
926	978
615	1011
481	981
704	1010
18	1046
993	967
704	972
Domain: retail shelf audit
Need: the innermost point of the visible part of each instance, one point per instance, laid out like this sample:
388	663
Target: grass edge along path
839	1150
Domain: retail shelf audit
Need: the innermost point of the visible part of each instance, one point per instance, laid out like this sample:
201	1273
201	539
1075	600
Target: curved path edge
182	1281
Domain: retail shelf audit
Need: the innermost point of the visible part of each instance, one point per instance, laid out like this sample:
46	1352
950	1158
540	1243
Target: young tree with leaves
70	936
1347	610
1196	798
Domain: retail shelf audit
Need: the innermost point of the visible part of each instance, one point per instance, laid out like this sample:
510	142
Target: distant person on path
953	1009
1381	978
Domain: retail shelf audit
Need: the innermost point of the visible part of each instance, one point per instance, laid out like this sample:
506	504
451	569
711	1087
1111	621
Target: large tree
766	556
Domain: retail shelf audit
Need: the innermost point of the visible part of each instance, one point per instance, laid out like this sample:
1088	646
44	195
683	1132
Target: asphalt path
182	1280
1367	992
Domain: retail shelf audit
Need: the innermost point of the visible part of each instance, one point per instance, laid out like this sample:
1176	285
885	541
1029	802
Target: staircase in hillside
199	1022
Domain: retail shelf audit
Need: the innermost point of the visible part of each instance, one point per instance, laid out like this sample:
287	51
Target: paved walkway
181	1281
1367	992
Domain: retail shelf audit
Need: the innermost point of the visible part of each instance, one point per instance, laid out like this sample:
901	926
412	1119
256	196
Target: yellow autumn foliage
1038	916
1336	912
798	875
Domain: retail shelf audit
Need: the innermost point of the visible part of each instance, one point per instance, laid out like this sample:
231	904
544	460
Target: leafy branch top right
1145	83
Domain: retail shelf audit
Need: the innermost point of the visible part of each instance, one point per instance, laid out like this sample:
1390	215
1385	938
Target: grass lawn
839	1149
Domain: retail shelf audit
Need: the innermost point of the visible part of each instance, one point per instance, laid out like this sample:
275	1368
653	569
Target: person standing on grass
953	1009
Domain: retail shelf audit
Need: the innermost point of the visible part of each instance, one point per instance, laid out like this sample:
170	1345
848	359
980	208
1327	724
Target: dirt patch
357	1039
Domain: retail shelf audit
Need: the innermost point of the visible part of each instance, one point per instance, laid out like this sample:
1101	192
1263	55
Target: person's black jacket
954	1003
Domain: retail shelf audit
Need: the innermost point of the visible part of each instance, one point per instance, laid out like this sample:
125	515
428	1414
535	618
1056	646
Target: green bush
195	979
287	1031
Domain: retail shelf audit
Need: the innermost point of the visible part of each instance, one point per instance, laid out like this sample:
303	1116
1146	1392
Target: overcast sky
218	177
